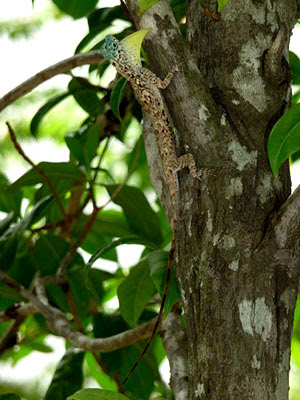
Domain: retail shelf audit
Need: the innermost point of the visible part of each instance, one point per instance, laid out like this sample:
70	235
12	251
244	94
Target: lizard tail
160	314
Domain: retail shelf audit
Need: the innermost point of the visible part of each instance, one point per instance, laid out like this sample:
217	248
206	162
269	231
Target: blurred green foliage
99	124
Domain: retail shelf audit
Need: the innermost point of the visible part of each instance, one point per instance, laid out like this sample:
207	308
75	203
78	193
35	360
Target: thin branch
287	223
61	272
36	167
61	67
58	324
130	171
16	311
10	337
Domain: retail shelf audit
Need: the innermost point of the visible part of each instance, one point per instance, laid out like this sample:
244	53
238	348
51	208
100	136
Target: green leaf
96	394
86	97
8	296
104	381
145	4
8	201
4	223
296	98
23	269
158	264
119	362
68	376
9	396
80	293
98	21
36	120
140	216
48	252
117	95
295	67
95	283
134	292
284	139
83	143
109	223
76	8
125	240
221	4
41	347
63	171
10	239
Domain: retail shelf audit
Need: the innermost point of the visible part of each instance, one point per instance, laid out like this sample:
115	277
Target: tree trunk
237	260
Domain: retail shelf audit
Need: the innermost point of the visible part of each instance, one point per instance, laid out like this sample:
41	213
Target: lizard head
110	50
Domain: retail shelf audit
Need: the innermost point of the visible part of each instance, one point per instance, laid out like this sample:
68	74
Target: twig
36	167
60	276
105	370
61	67
17	310
61	272
120	187
10	337
58	324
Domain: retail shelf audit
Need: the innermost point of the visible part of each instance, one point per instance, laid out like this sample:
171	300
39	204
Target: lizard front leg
187	160
160	83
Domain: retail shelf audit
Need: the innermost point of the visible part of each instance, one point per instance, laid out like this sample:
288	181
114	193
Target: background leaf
76	8
86	97
83	144
63	171
145	4
117	95
36	120
96	394
140	216
158	264
134	292
68	376
284	139
221	4
295	67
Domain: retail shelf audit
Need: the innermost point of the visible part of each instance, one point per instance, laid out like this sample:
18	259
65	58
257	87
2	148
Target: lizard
146	87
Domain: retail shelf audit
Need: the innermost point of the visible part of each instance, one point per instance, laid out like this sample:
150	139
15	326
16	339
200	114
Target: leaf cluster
89	209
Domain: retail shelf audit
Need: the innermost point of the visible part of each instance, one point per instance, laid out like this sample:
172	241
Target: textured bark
237	260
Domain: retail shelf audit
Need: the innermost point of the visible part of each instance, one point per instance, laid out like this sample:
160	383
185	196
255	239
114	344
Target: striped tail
160	314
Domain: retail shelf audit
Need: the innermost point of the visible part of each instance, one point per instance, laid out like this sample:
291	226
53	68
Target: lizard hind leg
187	160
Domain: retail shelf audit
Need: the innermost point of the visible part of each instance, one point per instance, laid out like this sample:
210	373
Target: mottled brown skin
146	86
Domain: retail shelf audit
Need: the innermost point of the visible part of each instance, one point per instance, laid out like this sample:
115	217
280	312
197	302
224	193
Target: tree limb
58	324
92	57
287	225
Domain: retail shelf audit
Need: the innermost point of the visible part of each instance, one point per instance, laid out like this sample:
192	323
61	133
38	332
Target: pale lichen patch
256	317
234	265
255	363
235	102
200	390
246	78
241	156
209	222
228	242
262	318
245	313
203	113
256	11
216	238
264	189
223	120
235	188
